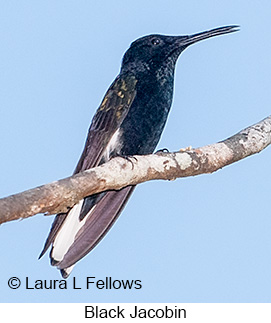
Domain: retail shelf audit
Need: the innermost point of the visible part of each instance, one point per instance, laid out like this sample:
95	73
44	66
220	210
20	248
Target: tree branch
119	172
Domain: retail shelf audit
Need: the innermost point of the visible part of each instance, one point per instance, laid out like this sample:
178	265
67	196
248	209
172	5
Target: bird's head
153	53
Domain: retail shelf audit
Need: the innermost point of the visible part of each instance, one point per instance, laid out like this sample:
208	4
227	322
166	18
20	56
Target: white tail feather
66	272
66	235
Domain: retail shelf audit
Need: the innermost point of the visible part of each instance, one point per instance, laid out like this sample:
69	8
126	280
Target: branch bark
58	196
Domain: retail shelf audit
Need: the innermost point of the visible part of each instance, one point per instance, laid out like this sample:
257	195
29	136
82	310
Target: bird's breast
142	127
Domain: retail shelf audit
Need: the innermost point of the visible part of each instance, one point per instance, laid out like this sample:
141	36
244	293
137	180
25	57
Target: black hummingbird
129	121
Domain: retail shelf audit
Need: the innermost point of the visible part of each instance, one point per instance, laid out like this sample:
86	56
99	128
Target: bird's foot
162	151
128	157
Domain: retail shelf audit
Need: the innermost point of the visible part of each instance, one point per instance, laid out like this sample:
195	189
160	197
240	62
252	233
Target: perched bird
129	121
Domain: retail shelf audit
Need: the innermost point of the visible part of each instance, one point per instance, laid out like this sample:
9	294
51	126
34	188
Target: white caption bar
135	312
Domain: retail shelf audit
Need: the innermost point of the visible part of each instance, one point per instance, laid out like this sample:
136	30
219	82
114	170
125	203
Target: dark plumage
129	121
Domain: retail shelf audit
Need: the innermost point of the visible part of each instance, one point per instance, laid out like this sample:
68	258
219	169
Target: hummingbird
129	121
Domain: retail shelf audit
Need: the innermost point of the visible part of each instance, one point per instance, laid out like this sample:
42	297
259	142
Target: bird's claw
129	158
162	151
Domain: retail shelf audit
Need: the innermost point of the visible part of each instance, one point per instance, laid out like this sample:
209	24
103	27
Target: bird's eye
155	41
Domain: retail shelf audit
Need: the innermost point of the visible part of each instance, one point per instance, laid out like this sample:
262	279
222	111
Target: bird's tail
76	233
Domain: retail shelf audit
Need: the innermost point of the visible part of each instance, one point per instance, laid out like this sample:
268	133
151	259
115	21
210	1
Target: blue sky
201	239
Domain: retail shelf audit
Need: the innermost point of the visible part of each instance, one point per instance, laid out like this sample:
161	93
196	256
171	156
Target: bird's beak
189	40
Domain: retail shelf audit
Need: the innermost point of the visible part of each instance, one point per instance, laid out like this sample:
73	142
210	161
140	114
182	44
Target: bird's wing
109	116
106	121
